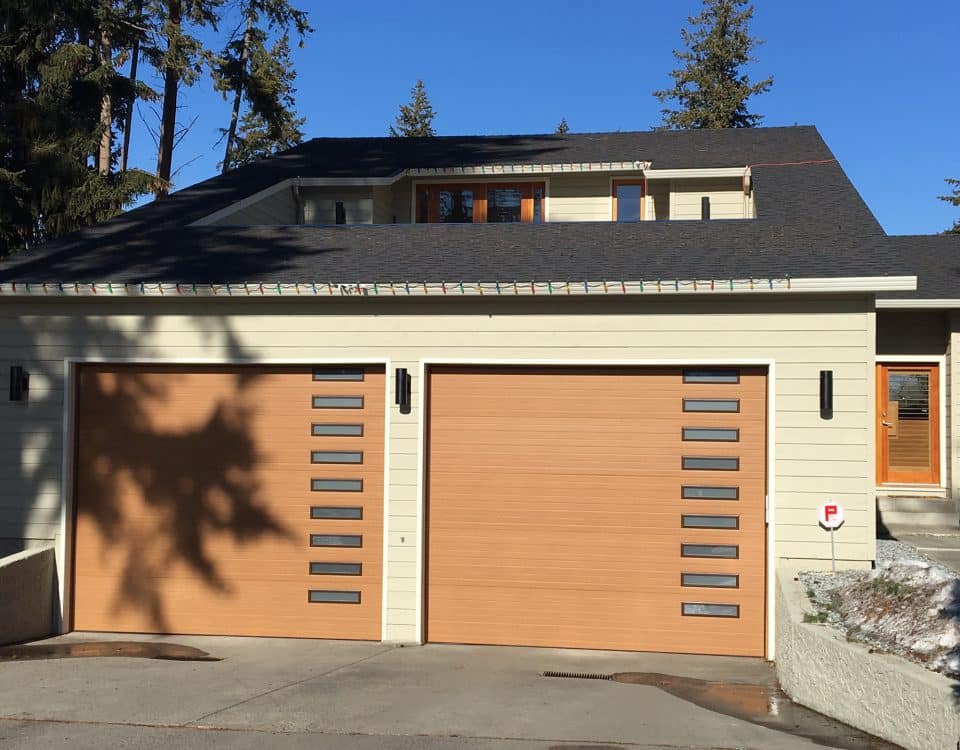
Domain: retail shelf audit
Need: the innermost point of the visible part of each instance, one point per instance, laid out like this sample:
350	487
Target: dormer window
628	200
477	203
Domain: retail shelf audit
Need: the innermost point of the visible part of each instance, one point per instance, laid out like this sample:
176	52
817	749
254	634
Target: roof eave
642	287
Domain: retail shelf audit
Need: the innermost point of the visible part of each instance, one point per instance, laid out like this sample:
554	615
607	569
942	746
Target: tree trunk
168	117
237	95
128	121
106	110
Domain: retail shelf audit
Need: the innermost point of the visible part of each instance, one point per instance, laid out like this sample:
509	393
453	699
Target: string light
514	287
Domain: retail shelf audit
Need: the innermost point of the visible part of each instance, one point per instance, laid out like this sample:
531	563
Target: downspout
298	201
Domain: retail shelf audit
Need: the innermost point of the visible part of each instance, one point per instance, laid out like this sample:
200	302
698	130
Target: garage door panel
555	504
194	495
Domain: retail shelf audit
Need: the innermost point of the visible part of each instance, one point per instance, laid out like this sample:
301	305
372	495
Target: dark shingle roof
811	221
935	259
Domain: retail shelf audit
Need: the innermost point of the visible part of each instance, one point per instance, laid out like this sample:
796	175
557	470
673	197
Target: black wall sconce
402	390
705	208
19	383
826	394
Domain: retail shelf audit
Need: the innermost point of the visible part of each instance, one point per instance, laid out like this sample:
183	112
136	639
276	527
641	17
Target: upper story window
479	203
628	200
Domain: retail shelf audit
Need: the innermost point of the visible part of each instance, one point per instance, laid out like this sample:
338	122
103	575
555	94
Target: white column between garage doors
64	551
770	499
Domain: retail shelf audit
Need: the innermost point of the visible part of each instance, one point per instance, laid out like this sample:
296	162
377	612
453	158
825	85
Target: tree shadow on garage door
162	487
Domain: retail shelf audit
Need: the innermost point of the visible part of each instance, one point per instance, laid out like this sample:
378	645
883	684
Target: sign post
831	517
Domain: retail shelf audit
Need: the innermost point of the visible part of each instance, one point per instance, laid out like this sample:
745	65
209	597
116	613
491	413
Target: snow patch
908	605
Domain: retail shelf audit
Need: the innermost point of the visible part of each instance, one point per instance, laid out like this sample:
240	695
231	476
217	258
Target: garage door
603	508
236	501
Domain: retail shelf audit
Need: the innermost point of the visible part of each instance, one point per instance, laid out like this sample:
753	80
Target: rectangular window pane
711	404
456	206
338	402
628	202
336	540
336	430
335	597
337	373
726	551
335	511
336	457
712	434
710	580
335	569
709	463
711	376
503	205
711	610
692	521
336	485
691	492
538	204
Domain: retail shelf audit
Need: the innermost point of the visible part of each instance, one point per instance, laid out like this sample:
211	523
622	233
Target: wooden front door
908	424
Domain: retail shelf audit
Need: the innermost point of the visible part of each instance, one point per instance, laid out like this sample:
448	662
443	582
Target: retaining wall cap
26	554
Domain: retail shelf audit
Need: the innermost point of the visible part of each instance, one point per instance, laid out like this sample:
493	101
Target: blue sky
879	79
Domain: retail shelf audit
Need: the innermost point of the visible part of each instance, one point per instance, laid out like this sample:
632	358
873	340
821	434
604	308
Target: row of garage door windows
690	463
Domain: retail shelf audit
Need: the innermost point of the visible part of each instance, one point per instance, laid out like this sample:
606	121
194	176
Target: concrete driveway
329	694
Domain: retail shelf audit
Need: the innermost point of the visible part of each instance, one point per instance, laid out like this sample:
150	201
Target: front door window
908	429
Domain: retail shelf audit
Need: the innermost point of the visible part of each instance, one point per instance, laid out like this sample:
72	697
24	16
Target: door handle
886	424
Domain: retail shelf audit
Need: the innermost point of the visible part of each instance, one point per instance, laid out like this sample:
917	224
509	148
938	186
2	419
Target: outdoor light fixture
19	383
402	390
705	208
826	394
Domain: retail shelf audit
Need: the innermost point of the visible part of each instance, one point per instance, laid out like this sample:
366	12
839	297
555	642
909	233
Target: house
581	391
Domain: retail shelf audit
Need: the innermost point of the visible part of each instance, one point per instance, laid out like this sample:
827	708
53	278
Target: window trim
480	188
617	182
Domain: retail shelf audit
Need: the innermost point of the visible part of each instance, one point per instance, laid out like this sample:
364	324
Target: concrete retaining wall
27	589
882	694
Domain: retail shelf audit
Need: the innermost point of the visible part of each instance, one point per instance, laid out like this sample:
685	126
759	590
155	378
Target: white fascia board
918	304
455	289
680	174
522	169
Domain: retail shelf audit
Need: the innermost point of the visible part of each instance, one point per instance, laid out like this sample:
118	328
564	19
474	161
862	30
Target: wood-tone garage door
234	501
600	508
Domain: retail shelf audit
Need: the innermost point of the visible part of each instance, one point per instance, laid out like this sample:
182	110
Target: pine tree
248	71
416	118
176	55
710	86
954	200
56	161
270	125
562	127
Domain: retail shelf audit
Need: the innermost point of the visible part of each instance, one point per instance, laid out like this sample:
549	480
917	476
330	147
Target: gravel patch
909	605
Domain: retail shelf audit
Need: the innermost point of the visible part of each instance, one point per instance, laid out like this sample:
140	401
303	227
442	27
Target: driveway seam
288	685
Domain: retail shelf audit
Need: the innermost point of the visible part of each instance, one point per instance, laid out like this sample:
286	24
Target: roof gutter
643	287
918	304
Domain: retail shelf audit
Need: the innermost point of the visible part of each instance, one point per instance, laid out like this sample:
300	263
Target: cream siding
815	459
276	208
658	201
319	204
582	197
727	200
402	205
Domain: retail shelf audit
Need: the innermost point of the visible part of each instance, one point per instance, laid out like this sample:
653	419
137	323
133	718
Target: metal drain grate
578	675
